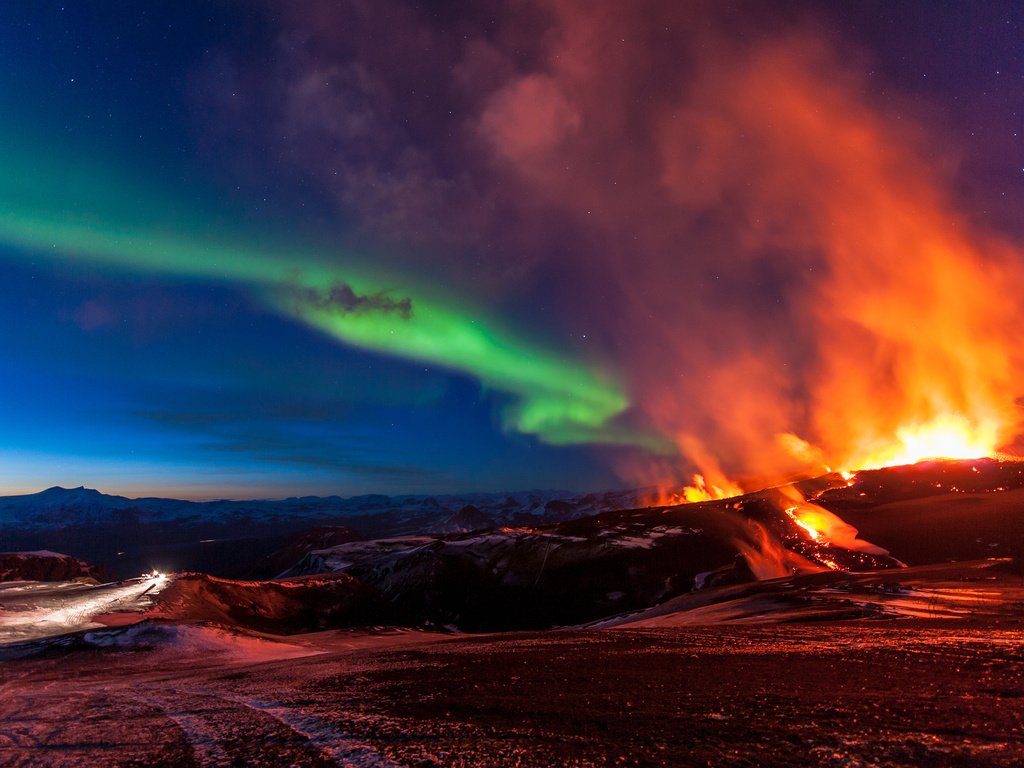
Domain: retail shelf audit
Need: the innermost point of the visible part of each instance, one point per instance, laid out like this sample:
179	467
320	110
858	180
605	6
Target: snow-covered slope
33	610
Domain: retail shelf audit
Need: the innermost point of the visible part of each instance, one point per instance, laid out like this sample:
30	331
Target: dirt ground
863	693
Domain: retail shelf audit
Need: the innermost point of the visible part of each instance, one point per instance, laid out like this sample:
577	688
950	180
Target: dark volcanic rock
580	570
938	511
283	606
467	520
46	566
318	537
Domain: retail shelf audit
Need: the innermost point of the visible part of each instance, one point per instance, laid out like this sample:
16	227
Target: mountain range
246	538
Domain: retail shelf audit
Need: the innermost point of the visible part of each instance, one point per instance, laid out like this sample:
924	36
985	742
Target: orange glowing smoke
913	315
700	490
797	285
767	558
713	483
707	486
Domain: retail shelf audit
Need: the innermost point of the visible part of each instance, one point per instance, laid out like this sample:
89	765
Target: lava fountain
908	318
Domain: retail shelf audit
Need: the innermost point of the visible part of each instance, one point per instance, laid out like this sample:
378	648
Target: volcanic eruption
901	304
511	383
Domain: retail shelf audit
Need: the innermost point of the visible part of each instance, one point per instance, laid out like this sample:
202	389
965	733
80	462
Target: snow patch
197	640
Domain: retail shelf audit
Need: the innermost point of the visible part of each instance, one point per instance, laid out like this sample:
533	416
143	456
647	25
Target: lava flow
824	527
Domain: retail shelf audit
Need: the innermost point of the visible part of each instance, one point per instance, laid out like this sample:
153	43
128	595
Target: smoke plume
722	205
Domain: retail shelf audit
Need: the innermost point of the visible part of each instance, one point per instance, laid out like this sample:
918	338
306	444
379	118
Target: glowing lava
767	558
949	436
824	527
701	490
801	518
946	437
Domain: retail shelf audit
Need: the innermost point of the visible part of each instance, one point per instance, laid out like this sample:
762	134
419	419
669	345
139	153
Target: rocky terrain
43	565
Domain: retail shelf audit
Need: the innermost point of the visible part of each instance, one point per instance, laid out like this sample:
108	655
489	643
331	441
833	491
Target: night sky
259	249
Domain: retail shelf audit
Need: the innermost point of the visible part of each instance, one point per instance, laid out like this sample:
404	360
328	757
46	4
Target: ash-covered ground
912	693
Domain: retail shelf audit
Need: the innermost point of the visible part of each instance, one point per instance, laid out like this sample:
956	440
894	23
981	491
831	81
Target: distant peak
58	489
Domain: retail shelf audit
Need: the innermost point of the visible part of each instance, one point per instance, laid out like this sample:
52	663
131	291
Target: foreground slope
856	694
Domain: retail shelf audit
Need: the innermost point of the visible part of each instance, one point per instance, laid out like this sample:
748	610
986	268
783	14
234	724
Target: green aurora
85	213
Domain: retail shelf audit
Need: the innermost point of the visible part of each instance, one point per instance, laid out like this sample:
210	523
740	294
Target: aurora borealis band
60	212
555	399
404	384
324	247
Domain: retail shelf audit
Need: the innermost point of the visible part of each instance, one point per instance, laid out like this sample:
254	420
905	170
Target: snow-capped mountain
133	535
